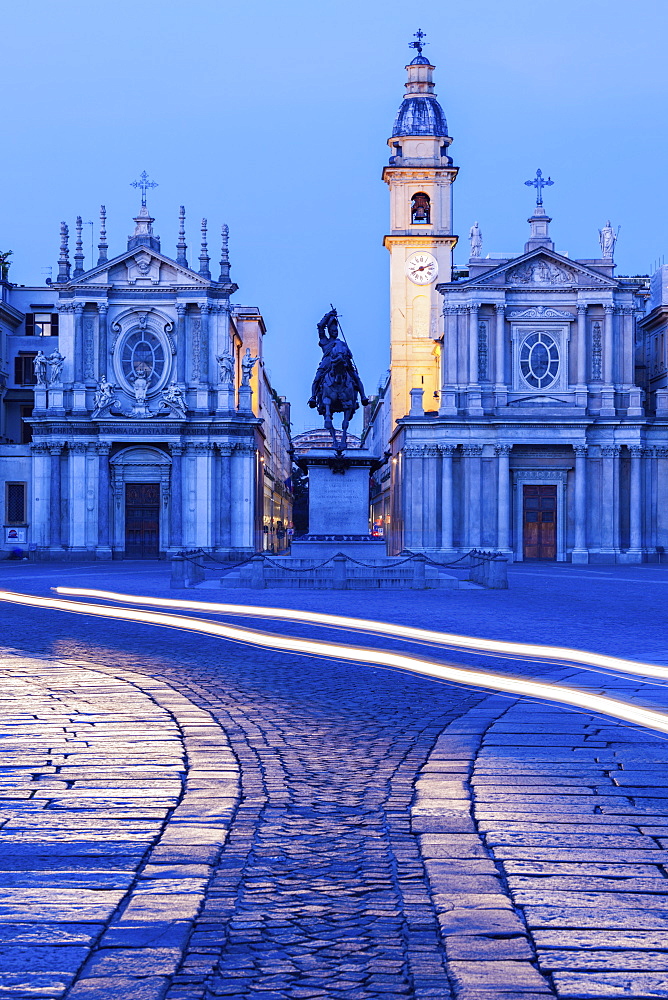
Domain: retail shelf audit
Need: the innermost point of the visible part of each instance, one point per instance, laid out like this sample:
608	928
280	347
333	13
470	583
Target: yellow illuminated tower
420	176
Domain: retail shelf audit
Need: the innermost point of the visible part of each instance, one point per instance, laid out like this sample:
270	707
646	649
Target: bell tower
420	176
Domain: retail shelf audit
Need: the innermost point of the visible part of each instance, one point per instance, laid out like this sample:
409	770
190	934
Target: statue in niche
607	237
174	400
39	368
247	365
56	361
105	398
225	368
475	237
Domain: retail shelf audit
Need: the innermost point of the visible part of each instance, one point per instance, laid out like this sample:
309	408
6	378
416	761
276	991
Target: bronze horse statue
337	382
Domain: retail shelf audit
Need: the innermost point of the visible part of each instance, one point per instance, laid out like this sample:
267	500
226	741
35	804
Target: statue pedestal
338	505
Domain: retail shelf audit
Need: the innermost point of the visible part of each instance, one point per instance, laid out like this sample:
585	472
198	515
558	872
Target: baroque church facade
526	408
137	416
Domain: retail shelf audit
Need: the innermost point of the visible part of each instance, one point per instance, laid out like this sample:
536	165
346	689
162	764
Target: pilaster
580	553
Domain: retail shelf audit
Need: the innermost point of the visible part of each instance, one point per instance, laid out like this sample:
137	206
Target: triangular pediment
542	268
141	267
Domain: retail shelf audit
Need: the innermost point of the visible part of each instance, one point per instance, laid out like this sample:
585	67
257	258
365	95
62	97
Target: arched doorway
140	478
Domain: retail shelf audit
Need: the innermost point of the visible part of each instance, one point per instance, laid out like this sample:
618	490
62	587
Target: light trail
495	646
600	704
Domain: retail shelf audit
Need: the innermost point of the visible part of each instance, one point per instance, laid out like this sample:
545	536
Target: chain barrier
476	556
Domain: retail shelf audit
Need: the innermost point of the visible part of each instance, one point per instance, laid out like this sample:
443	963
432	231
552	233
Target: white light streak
495	646
444	672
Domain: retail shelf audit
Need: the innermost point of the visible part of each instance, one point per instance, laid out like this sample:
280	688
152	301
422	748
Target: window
143	356
420	209
24	373
41	324
26	427
539	360
15	503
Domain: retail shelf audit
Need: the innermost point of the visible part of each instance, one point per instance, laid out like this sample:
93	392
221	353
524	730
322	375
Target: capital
580	450
500	307
503	449
78	308
582	308
609	308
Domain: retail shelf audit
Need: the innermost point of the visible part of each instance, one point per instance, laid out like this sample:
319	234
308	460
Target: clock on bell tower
420	176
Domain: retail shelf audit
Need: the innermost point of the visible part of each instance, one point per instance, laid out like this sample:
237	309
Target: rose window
539	360
143	356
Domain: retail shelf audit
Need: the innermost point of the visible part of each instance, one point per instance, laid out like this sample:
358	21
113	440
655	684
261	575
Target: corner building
524	416
141	479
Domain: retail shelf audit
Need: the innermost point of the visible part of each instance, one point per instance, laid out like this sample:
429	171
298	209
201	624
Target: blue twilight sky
273	117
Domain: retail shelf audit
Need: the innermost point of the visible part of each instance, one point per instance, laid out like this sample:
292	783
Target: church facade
526	409
137	417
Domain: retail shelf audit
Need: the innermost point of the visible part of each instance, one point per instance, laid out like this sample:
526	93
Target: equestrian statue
337	383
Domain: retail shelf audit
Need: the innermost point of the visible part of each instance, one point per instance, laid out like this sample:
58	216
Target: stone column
78	342
608	392
580	552
176	507
430	535
102	346
104	496
413	496
501	388
503	497
448	402
77	495
474	406
472	471
243	494
581	350
610	499
473	344
55	540
181	343
39	518
635	505
446	496
225	495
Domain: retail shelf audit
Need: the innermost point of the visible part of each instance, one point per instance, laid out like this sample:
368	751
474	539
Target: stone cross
144	183
539	183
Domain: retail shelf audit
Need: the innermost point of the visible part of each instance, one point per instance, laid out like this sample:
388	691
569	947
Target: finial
78	253
204	256
539	183
181	245
225	254
144	183
102	245
419	34
64	258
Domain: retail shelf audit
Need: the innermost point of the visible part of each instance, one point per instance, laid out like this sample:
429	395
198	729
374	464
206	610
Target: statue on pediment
174	400
225	368
475	238
607	237
39	368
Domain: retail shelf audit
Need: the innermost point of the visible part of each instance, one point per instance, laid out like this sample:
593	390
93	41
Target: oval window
539	360
143	356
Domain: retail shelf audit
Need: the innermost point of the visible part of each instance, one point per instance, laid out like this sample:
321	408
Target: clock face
422	268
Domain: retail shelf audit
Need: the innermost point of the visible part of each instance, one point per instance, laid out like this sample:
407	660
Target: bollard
178	572
339	581
419	572
498	574
257	572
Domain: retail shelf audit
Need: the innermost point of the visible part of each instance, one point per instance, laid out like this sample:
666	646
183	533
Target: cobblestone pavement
394	837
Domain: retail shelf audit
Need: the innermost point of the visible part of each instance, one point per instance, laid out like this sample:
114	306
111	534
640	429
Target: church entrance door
540	522
142	520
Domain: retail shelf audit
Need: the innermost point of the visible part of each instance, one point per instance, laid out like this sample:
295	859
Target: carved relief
482	352
596	353
541	272
89	356
197	335
540	312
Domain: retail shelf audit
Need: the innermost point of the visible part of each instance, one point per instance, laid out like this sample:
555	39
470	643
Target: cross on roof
419	34
539	183
144	183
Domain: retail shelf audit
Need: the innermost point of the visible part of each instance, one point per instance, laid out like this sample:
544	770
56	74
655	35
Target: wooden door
142	520
540	522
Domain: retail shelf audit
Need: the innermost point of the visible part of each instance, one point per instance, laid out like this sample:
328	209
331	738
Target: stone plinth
338	505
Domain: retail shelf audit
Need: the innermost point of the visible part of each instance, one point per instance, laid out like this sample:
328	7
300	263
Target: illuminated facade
522	414
138	419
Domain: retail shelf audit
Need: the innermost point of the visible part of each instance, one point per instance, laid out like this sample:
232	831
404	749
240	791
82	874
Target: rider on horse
332	347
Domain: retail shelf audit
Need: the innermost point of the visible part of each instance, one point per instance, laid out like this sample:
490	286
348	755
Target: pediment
141	267
543	268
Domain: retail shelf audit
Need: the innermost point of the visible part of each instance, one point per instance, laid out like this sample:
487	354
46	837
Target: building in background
137	418
526	406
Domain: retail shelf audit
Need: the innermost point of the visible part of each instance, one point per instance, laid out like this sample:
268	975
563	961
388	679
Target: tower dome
420	113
